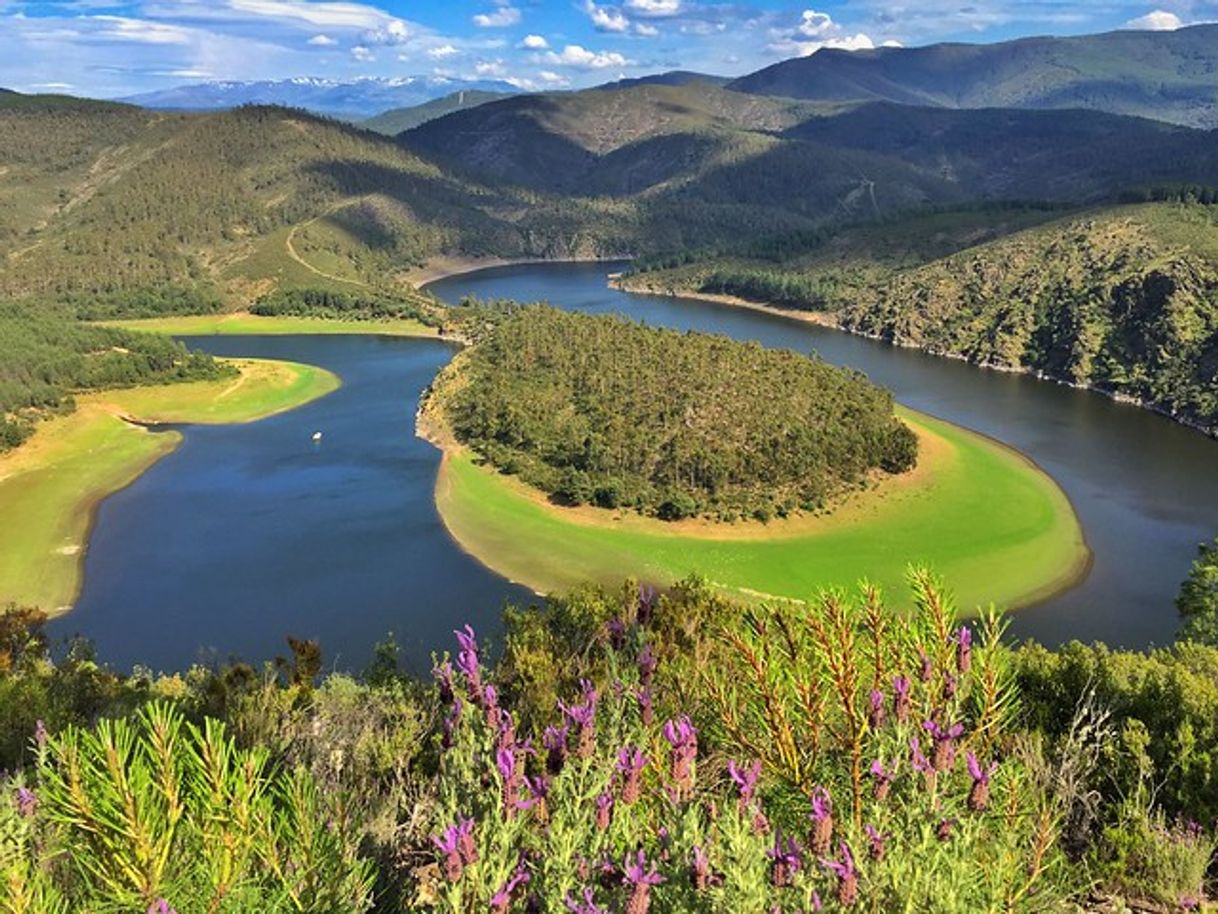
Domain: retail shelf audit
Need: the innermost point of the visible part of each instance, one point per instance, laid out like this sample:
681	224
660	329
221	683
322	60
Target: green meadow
55	480
243	324
975	511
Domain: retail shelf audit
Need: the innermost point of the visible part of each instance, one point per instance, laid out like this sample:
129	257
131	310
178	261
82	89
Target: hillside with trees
598	410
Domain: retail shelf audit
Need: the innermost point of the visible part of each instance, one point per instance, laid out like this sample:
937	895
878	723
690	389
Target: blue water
247	534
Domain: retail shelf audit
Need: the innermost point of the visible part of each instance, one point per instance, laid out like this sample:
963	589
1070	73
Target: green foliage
344	306
1198	600
603	411
1141	856
135	813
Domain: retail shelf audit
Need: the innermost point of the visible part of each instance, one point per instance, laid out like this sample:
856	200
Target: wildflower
877	841
683	738
900	699
926	668
847	876
586	905
636	874
555	741
964	649
616	629
979	794
816	903
943	831
27	802
161	906
875	716
502	899
745	780
505	738
700	875
457	845
467	662
647	665
443	674
1190	903
786	860
822	821
647	604
451	721
944	753
583	716
920	761
646	711
630	765
604	810
950	685
883	780
490	702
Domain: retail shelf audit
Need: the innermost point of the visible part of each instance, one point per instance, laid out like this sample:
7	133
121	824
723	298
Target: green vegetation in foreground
54	481
988	517
245	324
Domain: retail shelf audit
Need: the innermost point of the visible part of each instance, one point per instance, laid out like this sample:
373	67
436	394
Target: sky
107	49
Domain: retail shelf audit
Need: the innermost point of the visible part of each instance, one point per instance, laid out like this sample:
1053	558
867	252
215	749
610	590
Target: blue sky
105	48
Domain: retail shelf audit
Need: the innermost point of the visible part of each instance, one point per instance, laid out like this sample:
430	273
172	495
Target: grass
975	511
241	323
51	485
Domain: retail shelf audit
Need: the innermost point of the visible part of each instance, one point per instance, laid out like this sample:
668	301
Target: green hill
1171	76
397	120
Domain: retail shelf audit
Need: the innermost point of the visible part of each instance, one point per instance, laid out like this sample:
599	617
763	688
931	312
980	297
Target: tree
1198	600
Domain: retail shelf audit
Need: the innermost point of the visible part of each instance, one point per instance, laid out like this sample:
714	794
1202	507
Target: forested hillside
1168	75
396	120
1123	298
604	411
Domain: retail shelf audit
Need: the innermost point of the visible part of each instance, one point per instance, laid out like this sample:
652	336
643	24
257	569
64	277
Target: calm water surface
248	533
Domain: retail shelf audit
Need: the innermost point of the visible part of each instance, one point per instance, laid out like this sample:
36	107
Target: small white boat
317	436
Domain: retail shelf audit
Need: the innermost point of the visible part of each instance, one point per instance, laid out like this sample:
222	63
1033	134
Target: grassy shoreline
977	511
242	323
54	482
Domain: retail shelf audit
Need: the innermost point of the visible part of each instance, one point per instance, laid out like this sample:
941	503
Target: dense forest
599	410
44	359
334	305
669	753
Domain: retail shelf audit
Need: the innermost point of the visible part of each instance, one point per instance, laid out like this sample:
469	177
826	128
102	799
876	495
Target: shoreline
438	268
826	319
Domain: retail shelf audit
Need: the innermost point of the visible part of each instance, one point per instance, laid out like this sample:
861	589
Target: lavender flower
943	831
161	906
457	845
883	780
683	738
583	716
586	905
847	876
786	860
630	765
604	810
944	752
700	875
925	667
646	711
27	802
616	629
467	662
647	665
502	899
900	699
876	841
919	761
636	874
647	604
875	716
745	780
964	649
555	741
979	794
443	674
950	685
822	822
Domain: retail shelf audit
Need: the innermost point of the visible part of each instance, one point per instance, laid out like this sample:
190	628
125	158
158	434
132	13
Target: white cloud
395	31
658	8
647	31
362	54
121	28
815	31
501	17
322	41
332	15
1156	21
606	18
816	25
490	68
533	43
573	55
554	79
442	51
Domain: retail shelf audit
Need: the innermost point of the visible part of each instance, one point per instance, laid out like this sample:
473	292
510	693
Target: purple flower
27	802
161	906
943	831
635	873
919	761
630	765
847	876
786	860
458	846
822	822
979	793
604	810
700	875
683	738
443	674
883	780
925	667
555	741
647	664
467	662
647	604
583	716
646	711
944	752
875	716
451	721
617	633
585	906
876	840
745	780
964	649
503	898
900	699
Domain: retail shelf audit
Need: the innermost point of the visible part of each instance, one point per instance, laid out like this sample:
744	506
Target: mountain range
357	99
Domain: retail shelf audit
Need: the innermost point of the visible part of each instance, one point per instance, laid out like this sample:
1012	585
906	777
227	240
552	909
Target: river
249	533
